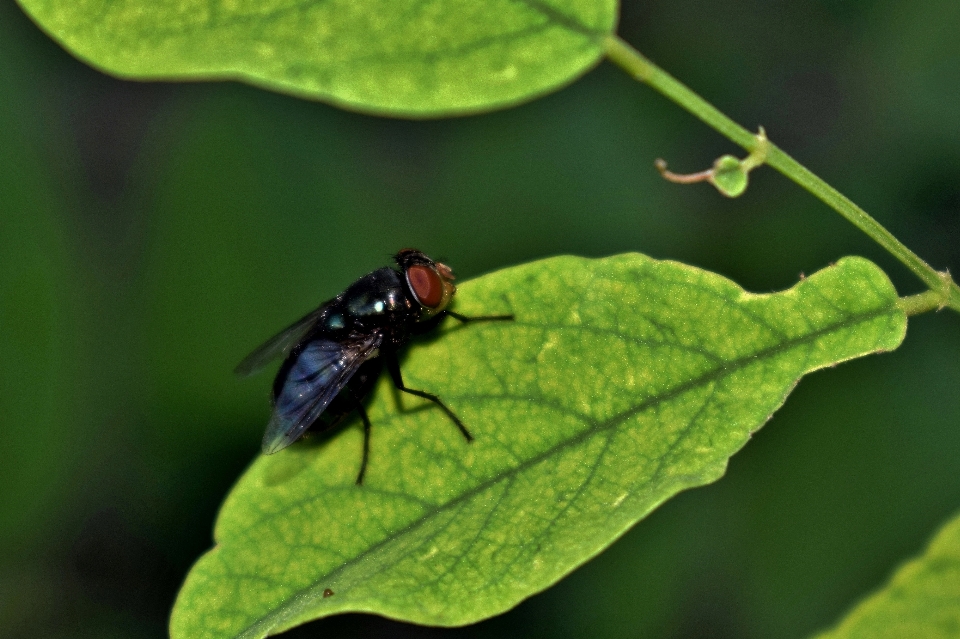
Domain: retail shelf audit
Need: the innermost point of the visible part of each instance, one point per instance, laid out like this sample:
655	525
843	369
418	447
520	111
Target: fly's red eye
426	285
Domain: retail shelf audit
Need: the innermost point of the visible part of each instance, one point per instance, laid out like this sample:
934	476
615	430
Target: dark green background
151	234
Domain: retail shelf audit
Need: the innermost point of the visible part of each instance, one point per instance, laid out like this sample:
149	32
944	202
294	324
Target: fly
334	355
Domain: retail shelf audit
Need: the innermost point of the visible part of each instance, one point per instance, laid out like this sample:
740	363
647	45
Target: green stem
642	69
920	303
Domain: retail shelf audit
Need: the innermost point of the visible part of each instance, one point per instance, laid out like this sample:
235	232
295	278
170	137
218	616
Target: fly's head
430	283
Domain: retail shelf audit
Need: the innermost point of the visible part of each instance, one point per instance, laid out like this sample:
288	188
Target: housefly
334	355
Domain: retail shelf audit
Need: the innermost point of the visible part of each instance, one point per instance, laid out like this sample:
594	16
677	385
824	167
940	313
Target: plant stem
642	69
920	303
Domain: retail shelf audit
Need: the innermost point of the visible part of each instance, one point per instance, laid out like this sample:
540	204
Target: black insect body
335	355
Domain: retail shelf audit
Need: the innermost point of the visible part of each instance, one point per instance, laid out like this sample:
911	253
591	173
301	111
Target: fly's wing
320	371
280	344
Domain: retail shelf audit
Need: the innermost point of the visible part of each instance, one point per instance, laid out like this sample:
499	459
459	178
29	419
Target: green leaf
622	382
922	600
416	58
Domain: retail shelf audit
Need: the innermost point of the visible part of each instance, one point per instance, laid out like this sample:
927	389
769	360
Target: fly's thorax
373	294
369	304
334	321
378	301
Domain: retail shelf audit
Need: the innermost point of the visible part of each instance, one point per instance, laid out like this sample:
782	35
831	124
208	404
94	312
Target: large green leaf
922	600
416	58
622	382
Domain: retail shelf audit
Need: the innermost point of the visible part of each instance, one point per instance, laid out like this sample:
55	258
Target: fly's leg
394	367
366	442
480	318
352	395
428	325
358	406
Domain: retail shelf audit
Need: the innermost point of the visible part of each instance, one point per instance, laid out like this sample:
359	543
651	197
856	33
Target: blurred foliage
920	600
151	234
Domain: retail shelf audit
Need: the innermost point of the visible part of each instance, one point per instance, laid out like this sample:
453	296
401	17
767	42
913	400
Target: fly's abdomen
315	376
316	366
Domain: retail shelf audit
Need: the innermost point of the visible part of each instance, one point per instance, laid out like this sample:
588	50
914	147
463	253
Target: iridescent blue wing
320	371
280	344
